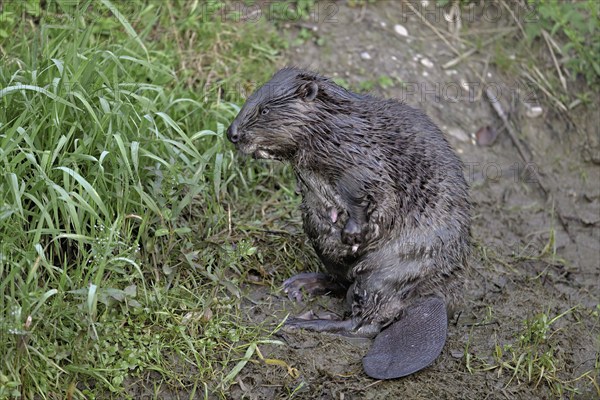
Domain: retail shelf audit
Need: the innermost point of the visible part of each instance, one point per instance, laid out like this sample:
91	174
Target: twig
559	103
554	44
468	53
482	78
561	107
433	28
542	77
454	19
512	14
563	81
478	324
229	219
372	384
495	102
363	10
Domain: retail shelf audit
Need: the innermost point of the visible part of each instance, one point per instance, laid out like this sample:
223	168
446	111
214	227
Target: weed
291	10
533	358
575	24
385	81
342	82
360	3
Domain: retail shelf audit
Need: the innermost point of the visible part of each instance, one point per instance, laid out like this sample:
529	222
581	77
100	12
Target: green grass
574	24
535	357
117	263
555	48
534	354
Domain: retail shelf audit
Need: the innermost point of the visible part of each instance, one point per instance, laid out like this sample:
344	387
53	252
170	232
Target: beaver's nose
232	133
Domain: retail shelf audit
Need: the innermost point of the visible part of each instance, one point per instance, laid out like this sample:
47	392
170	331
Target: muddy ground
535	253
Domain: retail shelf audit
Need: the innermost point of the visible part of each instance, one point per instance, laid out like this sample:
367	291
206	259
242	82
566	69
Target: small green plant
533	358
366	85
291	10
385	81
360	3
304	35
342	82
575	25
445	3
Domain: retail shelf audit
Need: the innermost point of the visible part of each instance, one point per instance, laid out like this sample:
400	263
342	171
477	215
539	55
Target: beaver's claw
352	234
313	284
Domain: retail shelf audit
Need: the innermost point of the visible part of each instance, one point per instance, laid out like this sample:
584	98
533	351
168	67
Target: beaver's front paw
313	284
352	234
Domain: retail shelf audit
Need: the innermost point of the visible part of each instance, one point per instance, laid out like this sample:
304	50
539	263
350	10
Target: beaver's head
276	119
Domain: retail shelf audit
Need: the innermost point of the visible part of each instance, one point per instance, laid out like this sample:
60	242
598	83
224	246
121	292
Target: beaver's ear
308	91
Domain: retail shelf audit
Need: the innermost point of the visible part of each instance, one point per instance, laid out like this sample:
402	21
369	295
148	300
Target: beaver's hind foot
403	348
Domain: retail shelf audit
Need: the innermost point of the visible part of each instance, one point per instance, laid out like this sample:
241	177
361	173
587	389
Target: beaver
384	204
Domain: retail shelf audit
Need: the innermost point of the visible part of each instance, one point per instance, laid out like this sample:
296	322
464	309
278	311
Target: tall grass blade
128	28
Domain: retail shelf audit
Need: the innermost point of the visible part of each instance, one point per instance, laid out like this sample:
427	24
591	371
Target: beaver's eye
264	111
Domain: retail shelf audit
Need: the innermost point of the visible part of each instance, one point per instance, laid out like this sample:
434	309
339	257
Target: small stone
534	112
486	135
427	62
464	84
400	30
457	353
365	56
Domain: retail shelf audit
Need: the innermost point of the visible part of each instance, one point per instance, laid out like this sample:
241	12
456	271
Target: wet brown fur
386	169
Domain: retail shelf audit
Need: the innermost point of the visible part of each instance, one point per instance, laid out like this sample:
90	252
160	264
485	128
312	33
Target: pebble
457	353
400	30
464	84
486	135
365	56
534	112
427	62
